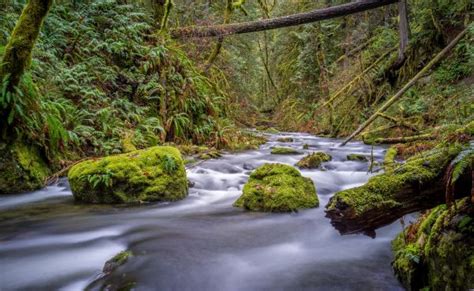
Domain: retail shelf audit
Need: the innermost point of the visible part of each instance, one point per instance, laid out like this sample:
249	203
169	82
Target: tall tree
17	57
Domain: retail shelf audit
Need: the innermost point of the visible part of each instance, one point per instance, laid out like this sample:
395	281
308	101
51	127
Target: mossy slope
277	188
153	174
437	251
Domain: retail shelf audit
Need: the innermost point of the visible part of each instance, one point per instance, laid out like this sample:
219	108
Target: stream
47	242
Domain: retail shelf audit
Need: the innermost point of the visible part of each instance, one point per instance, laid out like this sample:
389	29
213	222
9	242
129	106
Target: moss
127	144
277	188
285	139
357	157
22	168
313	160
378	192
17	56
389	159
306	146
284	151
154	174
444	243
117	261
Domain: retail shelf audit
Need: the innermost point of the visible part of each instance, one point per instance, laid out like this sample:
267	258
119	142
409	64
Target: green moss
306	146
285	139
378	192
284	151
17	55
389	159
357	157
21	168
117	261
444	243
154	174
127	144
277	188
313	160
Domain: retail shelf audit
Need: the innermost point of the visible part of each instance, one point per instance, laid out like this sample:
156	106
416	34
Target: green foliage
463	161
99	72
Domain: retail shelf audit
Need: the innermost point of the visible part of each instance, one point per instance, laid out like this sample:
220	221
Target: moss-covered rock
313	160
415	185
22	168
277	188
284	151
285	139
115	262
357	157
153	174
437	251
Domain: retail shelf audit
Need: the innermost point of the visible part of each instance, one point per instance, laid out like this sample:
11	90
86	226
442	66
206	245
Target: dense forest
193	128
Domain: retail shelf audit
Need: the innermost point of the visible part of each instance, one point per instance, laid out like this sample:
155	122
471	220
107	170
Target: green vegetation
154	174
437	250
284	151
277	188
313	160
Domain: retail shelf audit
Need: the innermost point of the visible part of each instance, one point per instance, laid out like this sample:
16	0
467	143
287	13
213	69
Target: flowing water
200	243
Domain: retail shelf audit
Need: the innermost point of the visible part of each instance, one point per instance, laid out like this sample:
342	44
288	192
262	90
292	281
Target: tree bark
17	57
279	22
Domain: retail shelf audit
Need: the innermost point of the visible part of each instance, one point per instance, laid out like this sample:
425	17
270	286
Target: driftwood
279	22
407	86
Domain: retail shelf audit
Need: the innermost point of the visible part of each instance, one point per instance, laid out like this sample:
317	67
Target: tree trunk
285	21
404	31
18	51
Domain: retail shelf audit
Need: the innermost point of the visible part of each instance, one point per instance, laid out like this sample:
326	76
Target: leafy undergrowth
103	81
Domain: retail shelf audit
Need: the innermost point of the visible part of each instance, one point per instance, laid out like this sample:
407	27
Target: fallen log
418	184
404	139
279	22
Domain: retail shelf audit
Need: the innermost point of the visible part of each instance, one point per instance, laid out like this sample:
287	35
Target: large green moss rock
277	188
437	251
313	160
22	168
153	174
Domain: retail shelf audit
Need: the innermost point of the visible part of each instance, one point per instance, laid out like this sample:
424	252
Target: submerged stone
277	188
357	157
153	174
22	168
437	251
313	160
285	139
284	151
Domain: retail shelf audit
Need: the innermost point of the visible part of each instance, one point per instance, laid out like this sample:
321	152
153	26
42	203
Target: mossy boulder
313	160
437	251
285	139
277	188
415	185
357	158
22	168
284	151
117	261
153	174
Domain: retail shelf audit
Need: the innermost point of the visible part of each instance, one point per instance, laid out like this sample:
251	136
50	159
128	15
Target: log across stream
200	243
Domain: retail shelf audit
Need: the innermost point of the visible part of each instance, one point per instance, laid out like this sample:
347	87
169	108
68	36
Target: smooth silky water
47	242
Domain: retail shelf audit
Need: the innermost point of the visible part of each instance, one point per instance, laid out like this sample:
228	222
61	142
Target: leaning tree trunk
279	22
17	55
